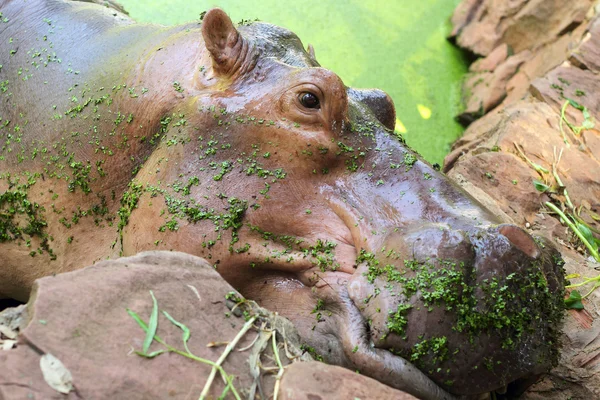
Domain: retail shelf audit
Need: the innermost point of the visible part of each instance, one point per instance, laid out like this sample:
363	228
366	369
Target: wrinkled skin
234	145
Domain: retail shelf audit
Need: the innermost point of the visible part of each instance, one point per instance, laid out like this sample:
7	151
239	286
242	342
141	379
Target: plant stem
559	181
280	373
593	252
538	168
560	125
585	282
224	355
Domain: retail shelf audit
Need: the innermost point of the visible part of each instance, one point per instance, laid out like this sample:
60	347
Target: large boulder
319	381
81	319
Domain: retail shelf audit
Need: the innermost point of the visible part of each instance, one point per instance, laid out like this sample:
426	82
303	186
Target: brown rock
318	381
481	26
487	158
495	58
569	82
544	59
587	55
463	15
482	91
519	28
81	318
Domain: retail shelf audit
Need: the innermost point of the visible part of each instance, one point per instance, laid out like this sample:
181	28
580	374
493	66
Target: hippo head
300	193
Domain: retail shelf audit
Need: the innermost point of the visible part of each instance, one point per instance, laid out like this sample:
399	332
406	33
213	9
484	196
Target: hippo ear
311	51
222	40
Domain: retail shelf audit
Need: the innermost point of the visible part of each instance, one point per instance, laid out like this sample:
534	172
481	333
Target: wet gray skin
232	144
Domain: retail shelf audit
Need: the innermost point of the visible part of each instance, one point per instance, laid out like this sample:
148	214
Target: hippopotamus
231	143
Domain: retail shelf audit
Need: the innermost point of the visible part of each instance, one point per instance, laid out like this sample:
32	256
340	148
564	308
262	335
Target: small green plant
151	328
574	300
587	123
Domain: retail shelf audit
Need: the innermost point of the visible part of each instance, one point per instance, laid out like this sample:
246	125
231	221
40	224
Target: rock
81	318
12	320
487	157
318	381
587	54
495	58
542	60
540	34
569	82
482	91
480	26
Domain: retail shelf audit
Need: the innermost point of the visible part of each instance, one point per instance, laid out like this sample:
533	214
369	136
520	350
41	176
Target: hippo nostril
520	239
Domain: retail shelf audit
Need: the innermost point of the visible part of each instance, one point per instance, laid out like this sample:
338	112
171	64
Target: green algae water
395	45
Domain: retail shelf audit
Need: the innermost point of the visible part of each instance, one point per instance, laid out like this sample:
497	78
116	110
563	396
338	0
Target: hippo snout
460	304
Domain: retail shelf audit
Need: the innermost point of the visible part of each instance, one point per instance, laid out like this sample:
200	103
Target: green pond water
395	45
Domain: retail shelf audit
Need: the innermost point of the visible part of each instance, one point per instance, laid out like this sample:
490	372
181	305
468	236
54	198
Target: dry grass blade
559	182
537	167
216	344
260	344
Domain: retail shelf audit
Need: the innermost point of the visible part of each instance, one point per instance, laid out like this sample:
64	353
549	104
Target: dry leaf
7	344
6	331
56	374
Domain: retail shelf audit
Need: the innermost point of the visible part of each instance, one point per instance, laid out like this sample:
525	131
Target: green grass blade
587	234
227	388
540	186
186	331
137	319
152	325
150	355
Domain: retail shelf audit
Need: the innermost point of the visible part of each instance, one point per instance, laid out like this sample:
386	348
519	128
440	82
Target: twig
287	351
226	352
250	345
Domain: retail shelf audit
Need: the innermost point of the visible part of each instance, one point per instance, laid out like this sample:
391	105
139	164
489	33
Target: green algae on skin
498	310
21	219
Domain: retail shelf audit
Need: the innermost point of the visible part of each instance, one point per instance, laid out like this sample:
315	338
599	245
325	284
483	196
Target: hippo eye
309	100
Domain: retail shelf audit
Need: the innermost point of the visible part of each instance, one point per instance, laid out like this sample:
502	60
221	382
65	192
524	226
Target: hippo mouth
381	364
